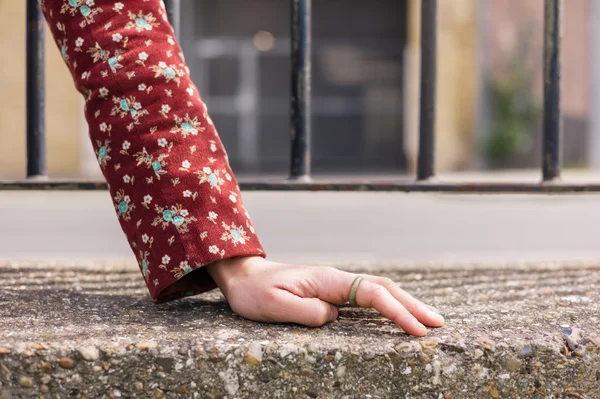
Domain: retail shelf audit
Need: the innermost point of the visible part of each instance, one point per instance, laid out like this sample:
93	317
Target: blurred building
365	88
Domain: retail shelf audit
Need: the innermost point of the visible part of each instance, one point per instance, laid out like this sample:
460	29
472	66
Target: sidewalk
512	330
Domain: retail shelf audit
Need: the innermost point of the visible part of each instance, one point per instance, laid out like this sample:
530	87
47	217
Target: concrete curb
511	332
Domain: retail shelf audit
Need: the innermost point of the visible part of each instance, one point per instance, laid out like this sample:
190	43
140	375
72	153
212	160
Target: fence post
300	100
35	92
426	160
553	123
174	14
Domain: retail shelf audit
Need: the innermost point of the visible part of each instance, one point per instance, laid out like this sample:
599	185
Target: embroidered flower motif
104	128
187	126
156	164
78	44
118	7
175	215
169	72
145	264
147	201
164	110
128	106
103	92
102	154
185	166
123	205
85	7
212	216
98	54
141	22
235	234
183	269
207	175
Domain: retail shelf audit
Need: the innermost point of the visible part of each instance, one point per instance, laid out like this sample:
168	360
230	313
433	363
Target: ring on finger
353	290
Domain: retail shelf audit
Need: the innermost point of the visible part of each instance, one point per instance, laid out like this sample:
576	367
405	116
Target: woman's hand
265	291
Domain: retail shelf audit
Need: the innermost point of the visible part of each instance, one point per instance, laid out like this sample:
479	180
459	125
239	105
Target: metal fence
300	113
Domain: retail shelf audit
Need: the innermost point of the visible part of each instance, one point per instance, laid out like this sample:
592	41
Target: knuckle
387	282
378	293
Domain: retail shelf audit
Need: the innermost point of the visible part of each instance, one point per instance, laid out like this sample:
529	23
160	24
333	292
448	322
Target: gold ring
353	289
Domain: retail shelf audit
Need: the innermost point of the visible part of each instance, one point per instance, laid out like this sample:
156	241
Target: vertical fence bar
552	125
174	14
300	101
425	164
35	92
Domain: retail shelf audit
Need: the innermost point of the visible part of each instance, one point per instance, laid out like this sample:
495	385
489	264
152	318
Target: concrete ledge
524	331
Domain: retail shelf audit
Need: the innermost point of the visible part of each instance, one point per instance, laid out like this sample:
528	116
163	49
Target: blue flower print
141	22
169	72
157	164
123	205
175	216
103	152
235	234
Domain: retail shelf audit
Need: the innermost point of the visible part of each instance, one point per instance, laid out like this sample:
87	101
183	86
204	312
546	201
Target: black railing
300	113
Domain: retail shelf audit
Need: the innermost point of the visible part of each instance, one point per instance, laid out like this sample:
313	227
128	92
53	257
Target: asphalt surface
330	227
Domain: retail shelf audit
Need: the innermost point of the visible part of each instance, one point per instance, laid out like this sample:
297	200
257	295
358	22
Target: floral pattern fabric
173	190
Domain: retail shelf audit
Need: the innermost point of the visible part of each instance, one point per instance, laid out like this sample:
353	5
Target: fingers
373	295
382	294
311	312
417	308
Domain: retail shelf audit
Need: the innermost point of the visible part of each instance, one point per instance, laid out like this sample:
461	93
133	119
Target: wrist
225	272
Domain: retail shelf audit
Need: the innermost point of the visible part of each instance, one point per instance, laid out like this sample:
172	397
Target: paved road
330	227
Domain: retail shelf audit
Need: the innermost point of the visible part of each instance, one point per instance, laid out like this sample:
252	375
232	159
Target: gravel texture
90	331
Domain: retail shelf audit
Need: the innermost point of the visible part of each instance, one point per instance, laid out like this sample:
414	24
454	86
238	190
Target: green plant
515	112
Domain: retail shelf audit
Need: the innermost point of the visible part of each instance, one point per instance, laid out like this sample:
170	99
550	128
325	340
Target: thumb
311	312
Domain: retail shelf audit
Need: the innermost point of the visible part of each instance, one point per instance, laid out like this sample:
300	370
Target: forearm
174	193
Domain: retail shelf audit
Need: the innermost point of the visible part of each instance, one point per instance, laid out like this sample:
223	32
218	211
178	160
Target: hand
265	291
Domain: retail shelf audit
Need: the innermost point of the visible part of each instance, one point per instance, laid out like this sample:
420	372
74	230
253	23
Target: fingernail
420	326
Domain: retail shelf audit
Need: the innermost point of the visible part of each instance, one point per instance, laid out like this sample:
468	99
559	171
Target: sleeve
172	188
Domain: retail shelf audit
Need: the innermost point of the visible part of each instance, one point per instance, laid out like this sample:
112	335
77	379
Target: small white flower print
212	216
186	164
213	145
145	238
193	149
166	259
103	127
233	198
171	41
183	269
127	179
164	110
213	249
228	176
103	92
143	56
190	91
79	42
187	193
126	145
203	235
184	213
117	37
147	199
162	142
142	87
118	7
